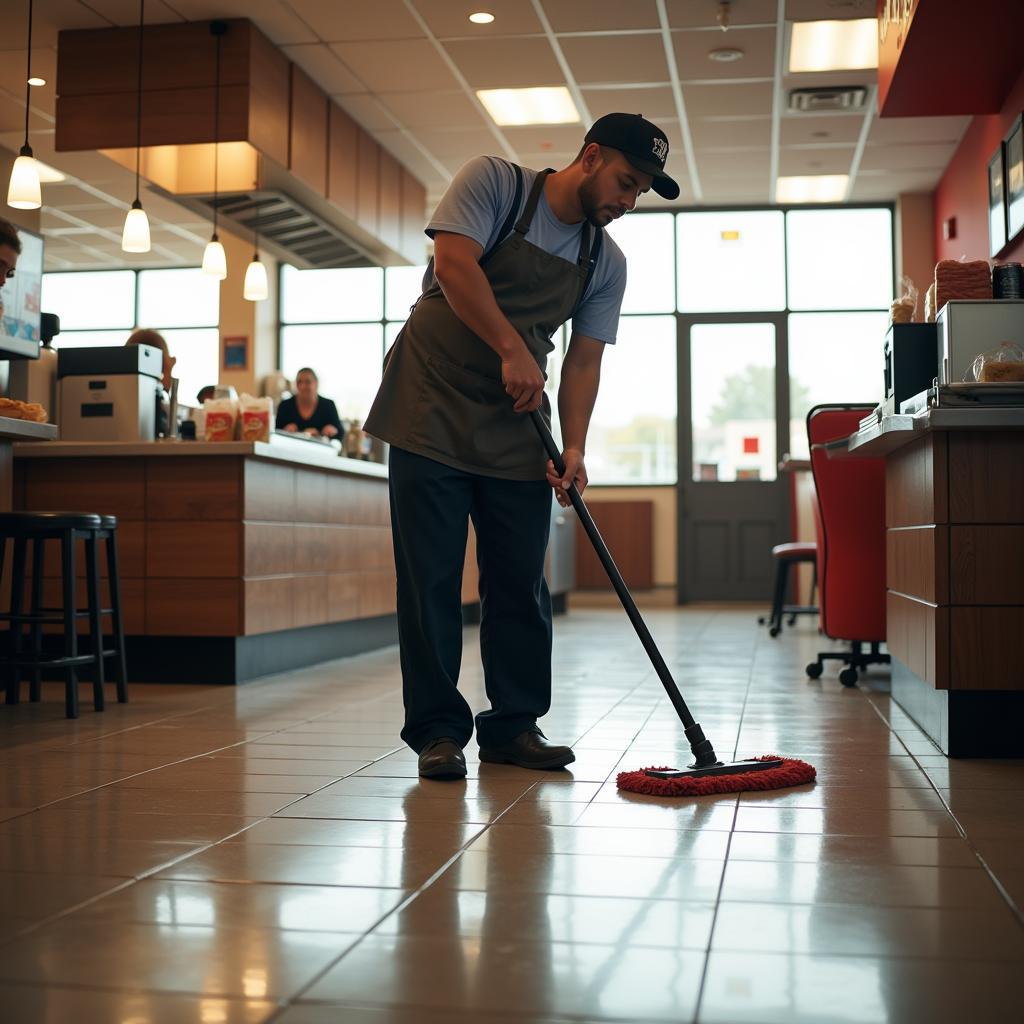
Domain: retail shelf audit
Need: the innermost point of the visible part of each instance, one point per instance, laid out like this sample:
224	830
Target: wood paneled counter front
263	556
955	573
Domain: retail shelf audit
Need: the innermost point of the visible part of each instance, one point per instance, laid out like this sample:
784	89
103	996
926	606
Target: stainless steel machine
109	394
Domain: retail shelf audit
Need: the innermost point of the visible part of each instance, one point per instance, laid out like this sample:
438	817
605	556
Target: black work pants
431	505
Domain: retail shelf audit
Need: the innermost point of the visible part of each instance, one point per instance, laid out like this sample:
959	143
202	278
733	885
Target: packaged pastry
16	410
1003	363
904	309
221	415
255	415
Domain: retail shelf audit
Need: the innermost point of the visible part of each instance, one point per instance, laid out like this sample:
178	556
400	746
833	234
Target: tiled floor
267	853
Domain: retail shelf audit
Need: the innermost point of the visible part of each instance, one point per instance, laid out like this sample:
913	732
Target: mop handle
616	577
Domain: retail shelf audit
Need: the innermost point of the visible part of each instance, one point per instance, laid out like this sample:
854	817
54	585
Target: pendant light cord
216	126
138	106
28	71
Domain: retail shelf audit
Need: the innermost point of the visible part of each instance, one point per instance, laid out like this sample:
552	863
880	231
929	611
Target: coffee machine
110	393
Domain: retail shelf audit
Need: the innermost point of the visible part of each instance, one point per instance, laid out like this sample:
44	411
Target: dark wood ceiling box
307	141
342	179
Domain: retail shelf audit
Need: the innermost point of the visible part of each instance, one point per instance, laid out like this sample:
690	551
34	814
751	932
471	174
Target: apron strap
513	210
523	224
595	255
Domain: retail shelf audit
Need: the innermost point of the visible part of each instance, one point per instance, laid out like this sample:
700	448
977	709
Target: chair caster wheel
761	620
848	677
814	670
774	631
792	621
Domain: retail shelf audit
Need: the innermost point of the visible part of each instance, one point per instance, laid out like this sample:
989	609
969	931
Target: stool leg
92	575
775	622
67	568
114	579
38	547
17	600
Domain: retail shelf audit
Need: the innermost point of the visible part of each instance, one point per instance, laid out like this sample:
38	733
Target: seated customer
307	412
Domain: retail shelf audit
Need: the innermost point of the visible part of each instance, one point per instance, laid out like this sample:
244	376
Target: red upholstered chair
850	517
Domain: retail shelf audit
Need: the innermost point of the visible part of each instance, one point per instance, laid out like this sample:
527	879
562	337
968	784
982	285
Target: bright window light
530	106
833	45
815	188
481	18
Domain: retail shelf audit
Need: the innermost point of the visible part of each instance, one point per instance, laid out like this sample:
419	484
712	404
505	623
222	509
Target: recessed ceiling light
36	81
725	55
530	106
47	174
833	45
814	188
481	18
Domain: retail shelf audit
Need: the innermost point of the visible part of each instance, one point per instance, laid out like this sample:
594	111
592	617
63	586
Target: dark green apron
442	394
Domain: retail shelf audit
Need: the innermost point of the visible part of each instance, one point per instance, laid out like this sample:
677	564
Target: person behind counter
144	336
10	250
308	412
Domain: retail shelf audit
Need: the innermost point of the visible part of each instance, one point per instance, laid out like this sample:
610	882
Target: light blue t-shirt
476	205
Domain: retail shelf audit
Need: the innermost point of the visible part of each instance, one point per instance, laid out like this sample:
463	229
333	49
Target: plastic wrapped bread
962	279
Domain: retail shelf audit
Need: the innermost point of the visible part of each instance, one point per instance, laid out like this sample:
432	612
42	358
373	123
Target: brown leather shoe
442	759
529	749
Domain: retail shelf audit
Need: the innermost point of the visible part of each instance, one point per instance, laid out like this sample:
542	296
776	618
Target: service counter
237	559
955	573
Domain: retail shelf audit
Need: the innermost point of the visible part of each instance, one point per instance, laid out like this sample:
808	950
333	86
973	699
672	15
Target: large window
102	308
824	275
340	323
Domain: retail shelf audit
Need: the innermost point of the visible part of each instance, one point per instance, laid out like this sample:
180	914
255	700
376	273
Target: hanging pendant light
135	237
215	261
255	287
24	193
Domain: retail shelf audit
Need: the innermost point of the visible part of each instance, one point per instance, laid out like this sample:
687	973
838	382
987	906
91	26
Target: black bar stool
67	528
786	556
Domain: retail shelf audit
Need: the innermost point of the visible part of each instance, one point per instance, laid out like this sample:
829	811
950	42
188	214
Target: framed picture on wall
1014	148
996	203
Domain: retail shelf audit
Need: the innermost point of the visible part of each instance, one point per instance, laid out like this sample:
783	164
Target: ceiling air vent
823	100
288	229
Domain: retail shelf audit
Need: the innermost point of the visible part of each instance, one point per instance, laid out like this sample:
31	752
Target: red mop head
790	773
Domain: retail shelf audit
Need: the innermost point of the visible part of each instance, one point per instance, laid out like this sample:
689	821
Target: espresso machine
109	393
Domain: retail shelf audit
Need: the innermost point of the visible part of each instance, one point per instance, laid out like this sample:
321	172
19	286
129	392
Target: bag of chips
256	415
221	415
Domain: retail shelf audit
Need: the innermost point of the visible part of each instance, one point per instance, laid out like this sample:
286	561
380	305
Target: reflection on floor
267	853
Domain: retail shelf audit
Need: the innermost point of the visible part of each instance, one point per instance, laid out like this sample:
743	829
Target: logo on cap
660	149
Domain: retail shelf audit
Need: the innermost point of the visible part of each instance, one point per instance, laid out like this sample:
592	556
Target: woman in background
307	412
145	336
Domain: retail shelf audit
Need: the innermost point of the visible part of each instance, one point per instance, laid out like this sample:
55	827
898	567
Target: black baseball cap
642	143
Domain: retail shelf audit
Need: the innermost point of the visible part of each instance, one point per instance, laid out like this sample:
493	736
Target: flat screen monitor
19	299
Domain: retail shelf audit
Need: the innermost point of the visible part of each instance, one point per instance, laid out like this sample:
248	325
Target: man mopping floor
517	253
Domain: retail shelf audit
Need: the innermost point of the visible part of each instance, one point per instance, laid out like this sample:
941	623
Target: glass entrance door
733	422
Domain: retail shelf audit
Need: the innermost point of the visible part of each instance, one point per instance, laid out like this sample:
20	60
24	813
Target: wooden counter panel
312	548
133	605
193	607
986	472
917	562
267	605
343	595
131	550
376	594
918	634
269	492
269	549
343	549
310	605
310	497
196	550
916	491
375	552
987	648
193	489
987	565
111	487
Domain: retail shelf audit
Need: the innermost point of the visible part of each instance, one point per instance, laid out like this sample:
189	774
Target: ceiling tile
654	103
702	14
896	130
538	161
400	64
730	166
432	110
325	67
832	10
274	19
883	185
810	129
908	158
506	63
47	20
816	161
728	192
366	109
126	12
452	19
711	100
628	58
757	44
345	22
601	15
449	142
546	138
729	134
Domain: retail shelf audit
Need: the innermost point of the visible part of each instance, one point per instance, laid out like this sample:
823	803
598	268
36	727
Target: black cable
28	76
138	107
217	29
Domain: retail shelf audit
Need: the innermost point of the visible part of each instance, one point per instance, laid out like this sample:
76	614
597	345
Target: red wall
963	190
